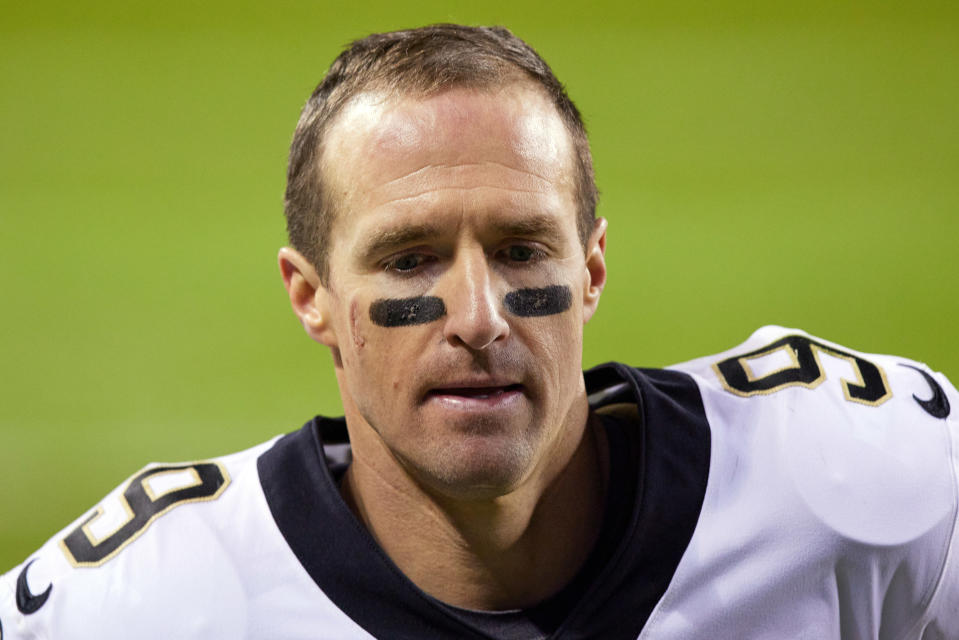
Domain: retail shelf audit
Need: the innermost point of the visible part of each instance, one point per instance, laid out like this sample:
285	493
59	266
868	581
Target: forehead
470	144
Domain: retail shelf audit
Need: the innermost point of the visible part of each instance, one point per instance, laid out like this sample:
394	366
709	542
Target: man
441	209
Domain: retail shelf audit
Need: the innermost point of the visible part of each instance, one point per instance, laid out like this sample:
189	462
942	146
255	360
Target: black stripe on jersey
670	445
337	550
673	448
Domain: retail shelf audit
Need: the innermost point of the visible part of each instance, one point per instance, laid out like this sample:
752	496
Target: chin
476	469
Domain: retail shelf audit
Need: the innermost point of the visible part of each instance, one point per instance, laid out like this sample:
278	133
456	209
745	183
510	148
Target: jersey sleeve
867	446
941	621
184	551
24	597
10	629
112	574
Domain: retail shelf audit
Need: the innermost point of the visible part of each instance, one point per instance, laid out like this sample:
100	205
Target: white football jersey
832	498
788	488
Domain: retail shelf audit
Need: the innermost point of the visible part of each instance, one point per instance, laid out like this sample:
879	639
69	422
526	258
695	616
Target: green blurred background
759	162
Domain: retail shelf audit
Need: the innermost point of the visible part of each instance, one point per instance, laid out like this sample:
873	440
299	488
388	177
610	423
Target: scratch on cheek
358	340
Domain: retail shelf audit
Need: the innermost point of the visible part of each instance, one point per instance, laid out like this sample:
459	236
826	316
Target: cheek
380	346
370	363
555	341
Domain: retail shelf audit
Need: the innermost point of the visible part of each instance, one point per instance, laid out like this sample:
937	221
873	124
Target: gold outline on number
197	481
94	539
126	505
765	392
816	349
859	382
790	351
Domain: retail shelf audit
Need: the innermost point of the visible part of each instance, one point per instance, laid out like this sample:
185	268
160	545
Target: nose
473	313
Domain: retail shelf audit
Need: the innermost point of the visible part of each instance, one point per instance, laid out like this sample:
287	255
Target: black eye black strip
539	302
392	312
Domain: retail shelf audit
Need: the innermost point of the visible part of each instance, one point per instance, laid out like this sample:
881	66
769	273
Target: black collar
668	477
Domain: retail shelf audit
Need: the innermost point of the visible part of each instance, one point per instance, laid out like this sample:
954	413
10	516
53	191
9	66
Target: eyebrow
384	241
538	225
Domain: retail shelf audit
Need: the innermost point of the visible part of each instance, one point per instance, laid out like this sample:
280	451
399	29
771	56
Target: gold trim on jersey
154	496
859	382
87	527
816	348
96	541
790	352
765	392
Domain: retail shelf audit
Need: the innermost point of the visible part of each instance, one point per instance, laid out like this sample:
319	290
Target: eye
520	253
406	262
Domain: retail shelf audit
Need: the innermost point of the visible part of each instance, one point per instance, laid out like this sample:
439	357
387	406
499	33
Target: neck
507	552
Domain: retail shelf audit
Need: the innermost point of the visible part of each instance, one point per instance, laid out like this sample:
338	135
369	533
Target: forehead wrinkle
422	185
429	191
467	165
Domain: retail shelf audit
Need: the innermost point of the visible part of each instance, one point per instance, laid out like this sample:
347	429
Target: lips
476	392
473	397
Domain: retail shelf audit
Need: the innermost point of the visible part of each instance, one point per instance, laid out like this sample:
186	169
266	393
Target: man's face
458	284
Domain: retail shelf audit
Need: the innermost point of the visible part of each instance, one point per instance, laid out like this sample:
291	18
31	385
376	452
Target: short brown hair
420	61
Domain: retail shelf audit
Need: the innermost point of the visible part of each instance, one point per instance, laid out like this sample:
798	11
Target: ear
308	297
595	269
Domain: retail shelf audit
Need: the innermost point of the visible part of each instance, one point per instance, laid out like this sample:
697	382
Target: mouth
475	397
480	393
